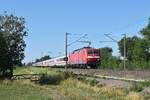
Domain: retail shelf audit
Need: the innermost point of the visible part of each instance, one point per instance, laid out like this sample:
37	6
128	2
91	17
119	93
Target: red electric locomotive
85	57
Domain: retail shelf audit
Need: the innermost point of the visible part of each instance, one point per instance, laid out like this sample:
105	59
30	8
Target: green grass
70	89
22	91
62	86
33	70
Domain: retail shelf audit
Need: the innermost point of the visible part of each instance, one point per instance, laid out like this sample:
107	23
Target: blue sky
48	20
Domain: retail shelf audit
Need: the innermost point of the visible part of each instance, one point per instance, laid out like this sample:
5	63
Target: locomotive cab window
93	52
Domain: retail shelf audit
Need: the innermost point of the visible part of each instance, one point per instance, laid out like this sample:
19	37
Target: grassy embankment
59	86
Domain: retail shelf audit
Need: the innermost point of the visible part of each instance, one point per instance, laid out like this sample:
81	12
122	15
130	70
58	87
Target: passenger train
83	57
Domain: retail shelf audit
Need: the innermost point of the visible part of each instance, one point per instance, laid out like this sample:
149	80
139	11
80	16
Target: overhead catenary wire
77	40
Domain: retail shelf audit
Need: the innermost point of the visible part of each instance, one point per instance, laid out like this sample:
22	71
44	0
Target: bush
53	79
90	81
93	82
48	79
136	87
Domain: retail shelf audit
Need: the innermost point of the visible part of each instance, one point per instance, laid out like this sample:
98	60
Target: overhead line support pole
66	44
124	64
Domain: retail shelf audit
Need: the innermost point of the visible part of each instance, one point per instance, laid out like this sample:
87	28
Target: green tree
13	31
146	31
130	43
137	52
46	57
3	56
106	54
107	60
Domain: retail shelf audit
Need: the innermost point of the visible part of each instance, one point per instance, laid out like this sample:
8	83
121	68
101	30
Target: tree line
137	52
46	57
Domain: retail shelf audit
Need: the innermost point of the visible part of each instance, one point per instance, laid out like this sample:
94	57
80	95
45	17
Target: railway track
120	74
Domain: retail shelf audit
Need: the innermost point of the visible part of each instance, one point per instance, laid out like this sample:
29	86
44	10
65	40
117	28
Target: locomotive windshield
93	52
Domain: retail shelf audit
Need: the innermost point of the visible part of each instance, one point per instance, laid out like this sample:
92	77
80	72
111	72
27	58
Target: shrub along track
113	78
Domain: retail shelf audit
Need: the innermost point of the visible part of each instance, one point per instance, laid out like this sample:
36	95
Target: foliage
130	42
48	79
87	80
45	78
46	57
136	87
107	60
146	31
3	56
29	64
137	52
106	54
146	41
12	45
